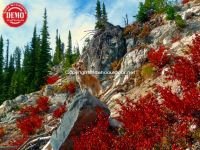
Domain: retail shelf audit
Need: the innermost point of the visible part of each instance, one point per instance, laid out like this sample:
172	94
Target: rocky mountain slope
113	49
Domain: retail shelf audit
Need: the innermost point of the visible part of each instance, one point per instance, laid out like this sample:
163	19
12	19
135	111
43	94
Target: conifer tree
27	69
7	56
142	15
58	55
44	55
104	14
8	78
69	59
1	69
17	58
34	61
98	16
17	81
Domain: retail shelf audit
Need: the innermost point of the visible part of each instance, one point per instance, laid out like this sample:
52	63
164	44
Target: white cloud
63	15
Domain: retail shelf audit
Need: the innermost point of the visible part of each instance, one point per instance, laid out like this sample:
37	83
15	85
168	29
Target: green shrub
180	23
171	13
142	13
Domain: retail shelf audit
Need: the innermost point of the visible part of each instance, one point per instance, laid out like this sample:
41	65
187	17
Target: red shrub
2	132
29	110
185	1
158	57
184	71
42	104
52	79
59	111
145	120
195	52
186	106
29	125
69	87
96	137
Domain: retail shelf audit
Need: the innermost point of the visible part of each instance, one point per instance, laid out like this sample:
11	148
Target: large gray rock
6	107
81	111
105	47
21	99
130	63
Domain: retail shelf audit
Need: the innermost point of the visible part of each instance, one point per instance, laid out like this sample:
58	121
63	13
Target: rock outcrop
105	47
81	111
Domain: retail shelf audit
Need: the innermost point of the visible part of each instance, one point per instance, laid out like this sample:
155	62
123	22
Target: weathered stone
49	90
21	99
105	47
81	112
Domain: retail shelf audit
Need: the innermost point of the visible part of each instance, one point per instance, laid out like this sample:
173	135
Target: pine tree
1	69
7	56
17	81
142	15
44	55
8	78
68	58
159	5
98	16
58	55
27	69
17	57
34	61
104	14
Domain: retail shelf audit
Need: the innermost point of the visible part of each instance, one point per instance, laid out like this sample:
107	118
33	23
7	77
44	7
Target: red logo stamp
15	15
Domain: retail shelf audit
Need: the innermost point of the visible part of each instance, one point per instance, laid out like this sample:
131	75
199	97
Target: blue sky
64	15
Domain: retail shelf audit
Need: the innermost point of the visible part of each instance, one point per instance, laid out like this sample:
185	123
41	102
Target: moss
148	71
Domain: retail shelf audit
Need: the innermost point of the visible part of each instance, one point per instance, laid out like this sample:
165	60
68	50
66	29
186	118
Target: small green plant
180	23
148	71
170	12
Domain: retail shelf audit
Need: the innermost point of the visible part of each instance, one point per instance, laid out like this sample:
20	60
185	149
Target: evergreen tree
104	14
44	55
34	61
69	59
98	16
27	69
58	55
142	15
159	5
1	69
8	78
17	81
7	56
17	57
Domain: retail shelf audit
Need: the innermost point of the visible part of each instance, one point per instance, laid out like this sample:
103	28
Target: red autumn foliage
184	71
96	137
2	132
70	87
186	106
185	1
158	57
52	79
195	52
28	125
29	110
59	111
42	104
144	123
